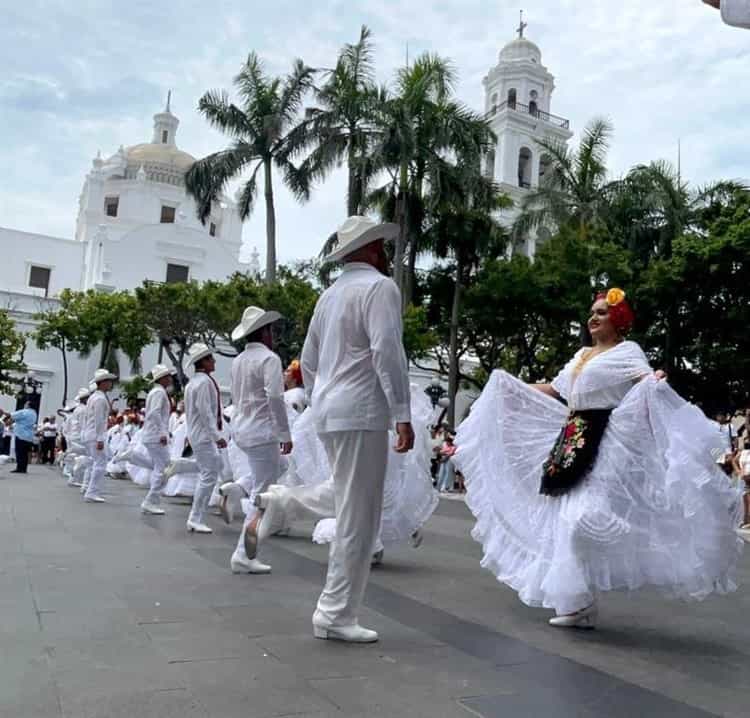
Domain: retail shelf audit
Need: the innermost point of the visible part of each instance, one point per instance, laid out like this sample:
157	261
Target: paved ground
107	614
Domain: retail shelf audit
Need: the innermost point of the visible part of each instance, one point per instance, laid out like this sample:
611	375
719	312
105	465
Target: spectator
7	436
742	467
436	441
24	421
447	474
49	439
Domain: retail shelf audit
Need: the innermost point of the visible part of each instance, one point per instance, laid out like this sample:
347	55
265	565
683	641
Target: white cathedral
136	222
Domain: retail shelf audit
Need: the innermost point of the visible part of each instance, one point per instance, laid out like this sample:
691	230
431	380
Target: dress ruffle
654	509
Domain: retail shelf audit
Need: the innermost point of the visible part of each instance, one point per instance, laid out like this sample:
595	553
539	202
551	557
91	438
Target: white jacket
258	397
94	426
353	362
202	410
156	423
75	424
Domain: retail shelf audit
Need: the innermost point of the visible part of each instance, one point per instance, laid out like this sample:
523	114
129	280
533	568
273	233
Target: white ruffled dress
653	510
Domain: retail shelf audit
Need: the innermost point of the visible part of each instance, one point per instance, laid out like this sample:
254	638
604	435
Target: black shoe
16	471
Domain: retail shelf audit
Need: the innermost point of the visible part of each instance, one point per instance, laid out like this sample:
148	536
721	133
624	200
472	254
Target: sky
85	76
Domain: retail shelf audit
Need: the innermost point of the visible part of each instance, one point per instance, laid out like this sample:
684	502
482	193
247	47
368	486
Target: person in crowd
203	412
176	417
357	385
48	440
260	426
742	469
294	396
24	423
7	435
447	473
575	500
94	434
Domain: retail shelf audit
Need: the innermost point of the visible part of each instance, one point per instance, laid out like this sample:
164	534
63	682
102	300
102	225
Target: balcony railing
533	111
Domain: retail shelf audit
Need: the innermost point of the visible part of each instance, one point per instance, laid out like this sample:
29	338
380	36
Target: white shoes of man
95	499
231	496
199	528
243	564
585	618
348	634
152	510
272	516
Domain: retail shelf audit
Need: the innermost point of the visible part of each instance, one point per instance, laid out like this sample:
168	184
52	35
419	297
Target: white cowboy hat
83	393
160	371
357	232
198	351
103	375
92	388
253	318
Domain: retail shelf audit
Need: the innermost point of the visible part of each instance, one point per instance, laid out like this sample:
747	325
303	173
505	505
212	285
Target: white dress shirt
75	425
353	362
736	12
202	410
95	419
258	398
49	429
156	423
295	400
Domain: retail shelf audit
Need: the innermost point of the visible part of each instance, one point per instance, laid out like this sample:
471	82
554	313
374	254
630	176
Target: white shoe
585	618
199	528
242	564
271	517
95	499
349	634
231	495
151	509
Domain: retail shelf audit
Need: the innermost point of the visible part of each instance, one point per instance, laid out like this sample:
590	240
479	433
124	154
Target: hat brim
387	231
202	355
106	377
171	372
240	331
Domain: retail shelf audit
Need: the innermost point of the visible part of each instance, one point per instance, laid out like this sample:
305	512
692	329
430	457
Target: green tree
575	190
57	329
259	127
12	346
341	126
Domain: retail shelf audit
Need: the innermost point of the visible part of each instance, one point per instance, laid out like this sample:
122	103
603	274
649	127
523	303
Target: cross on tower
521	26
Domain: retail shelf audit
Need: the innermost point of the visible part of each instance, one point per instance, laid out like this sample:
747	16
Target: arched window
533	108
524	167
512	98
545	165
489	165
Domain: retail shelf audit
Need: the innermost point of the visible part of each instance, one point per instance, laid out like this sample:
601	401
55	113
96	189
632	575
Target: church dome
167	156
521	49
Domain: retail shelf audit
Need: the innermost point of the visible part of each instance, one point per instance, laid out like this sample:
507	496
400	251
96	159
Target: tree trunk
352	203
65	372
270	226
398	254
176	363
411	272
453	348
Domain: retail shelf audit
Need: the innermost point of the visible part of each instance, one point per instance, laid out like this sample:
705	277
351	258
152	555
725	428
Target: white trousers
358	463
98	469
159	455
209	464
264	462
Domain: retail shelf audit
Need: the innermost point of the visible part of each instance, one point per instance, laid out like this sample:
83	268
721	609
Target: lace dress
653	509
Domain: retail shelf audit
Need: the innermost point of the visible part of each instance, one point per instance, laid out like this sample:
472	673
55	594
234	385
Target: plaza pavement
105	613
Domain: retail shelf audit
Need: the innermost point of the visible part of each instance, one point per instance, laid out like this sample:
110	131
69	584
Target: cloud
78	77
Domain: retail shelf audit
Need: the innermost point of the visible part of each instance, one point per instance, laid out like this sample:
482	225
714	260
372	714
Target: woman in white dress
628	496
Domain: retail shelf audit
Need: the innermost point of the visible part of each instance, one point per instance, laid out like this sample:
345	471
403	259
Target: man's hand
660	375
405	441
100	446
163	441
222	443
286	448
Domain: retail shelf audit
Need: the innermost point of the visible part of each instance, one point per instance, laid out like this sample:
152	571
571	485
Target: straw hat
357	232
160	371
198	351
253	318
103	375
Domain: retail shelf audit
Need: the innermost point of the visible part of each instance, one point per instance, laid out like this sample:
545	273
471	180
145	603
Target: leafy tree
132	389
57	329
12	346
259	127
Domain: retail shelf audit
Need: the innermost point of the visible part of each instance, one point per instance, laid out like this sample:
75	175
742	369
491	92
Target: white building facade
135	222
518	104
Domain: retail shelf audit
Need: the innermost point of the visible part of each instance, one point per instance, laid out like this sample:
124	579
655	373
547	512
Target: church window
164	136
39	278
524	168
533	108
111	205
512	98
177	273
212	229
167	214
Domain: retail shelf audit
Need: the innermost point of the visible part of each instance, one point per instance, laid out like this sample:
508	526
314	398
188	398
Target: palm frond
249	193
222	114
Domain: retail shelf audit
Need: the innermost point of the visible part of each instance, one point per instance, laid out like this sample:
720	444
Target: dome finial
521	26
169	101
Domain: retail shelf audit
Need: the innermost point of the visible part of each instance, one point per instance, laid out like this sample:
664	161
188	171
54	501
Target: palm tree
340	128
421	127
465	228
259	127
575	191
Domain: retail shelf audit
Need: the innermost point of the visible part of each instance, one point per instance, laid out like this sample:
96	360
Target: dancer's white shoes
199	528
152	510
348	634
585	618
242	564
231	496
95	500
272	515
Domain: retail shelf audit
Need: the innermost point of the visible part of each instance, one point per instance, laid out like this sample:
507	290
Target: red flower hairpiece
620	313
